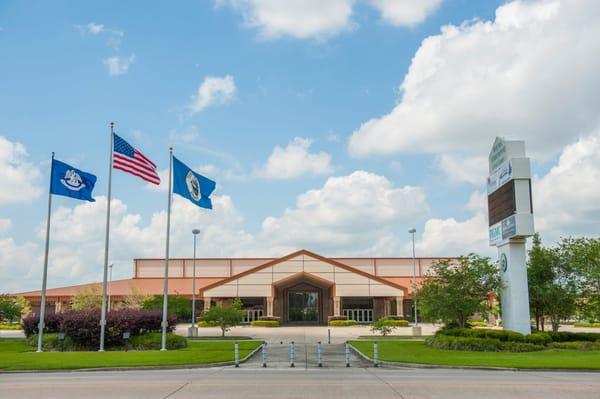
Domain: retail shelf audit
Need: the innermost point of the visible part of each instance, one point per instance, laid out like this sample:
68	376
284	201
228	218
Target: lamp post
109	283
416	328
193	332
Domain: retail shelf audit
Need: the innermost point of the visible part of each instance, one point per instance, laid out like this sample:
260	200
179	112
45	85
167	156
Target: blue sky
356	119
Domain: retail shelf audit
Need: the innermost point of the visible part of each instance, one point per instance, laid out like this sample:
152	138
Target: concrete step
278	356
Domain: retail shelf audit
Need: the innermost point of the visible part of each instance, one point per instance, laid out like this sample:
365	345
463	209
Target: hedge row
265	323
480	344
83	326
589	325
147	341
501	335
342	323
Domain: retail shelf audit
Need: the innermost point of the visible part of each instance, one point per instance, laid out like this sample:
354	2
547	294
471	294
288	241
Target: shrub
539	338
153	341
383	326
15	326
331	318
475	323
479	344
265	323
501	335
589	325
50	342
52	324
576	345
398	322
203	323
566	336
343	323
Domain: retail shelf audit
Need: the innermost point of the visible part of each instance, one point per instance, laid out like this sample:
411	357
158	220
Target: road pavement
347	383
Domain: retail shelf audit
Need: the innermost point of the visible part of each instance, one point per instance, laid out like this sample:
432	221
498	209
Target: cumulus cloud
5	225
20	179
300	19
294	161
529	74
316	19
566	201
405	12
213	90
347	214
117	65
472	170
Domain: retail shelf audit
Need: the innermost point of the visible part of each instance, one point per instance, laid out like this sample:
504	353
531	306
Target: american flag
130	160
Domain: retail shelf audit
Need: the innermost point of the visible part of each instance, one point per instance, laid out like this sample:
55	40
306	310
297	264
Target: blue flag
71	182
192	185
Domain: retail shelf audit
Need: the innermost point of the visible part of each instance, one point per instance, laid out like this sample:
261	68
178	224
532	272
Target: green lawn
417	352
15	354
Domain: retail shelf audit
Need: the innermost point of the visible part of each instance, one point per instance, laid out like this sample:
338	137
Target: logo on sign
193	185
72	180
503	263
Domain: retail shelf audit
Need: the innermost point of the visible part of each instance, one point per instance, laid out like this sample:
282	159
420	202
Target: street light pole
193	329
416	328
109	283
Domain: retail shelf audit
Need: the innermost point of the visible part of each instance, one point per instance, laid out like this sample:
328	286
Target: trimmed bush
398	322
15	326
153	341
575	345
501	335
52	324
343	323
475	323
50	342
588	325
566	336
479	344
539	338
265	323
203	323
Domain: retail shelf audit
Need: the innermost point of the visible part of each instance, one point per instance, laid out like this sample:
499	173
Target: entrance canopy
344	280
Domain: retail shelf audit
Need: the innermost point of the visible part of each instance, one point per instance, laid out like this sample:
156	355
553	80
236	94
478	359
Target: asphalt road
247	383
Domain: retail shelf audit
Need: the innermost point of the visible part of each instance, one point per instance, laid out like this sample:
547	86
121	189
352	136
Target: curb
445	366
135	368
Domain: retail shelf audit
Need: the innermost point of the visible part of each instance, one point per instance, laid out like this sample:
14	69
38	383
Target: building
299	288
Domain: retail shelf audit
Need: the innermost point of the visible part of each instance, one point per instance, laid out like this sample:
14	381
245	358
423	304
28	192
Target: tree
540	274
457	289
136	298
225	316
553	283
582	256
10	309
87	298
383	326
177	305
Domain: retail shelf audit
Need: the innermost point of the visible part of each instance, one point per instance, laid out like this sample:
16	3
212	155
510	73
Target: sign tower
510	212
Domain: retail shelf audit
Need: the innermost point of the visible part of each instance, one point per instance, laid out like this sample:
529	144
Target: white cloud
187	135
405	12
18	264
94	28
300	19
529	74
118	65
473	170
20	179
5	225
213	90
348	214
566	201
294	161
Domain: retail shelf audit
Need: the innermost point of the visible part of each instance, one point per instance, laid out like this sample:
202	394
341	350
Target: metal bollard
375	355
236	355
329	336
292	354
264	354
347	354
319	359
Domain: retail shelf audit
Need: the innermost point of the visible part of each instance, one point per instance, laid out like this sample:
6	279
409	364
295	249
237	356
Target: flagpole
45	272
166	282
103	312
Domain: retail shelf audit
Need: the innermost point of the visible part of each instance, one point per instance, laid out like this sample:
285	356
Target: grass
417	352
393	337
220	338
15	354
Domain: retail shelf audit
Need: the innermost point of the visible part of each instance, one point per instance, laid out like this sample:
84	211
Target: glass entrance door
303	306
